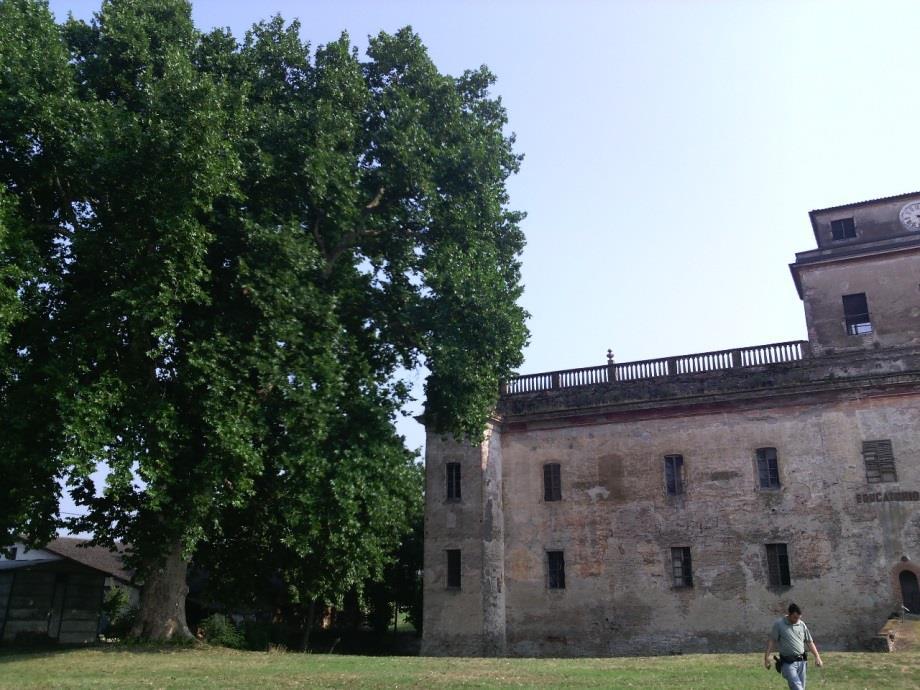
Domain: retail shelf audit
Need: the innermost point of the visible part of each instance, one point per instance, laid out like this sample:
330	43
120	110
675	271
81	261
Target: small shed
50	600
55	593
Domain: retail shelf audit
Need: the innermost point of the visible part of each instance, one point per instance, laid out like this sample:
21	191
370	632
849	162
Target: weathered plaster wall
452	617
469	620
873	221
617	525
892	287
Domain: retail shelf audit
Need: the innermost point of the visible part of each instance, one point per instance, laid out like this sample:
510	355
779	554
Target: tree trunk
162	605
305	639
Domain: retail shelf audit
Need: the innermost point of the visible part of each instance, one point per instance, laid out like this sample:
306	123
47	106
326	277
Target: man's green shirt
791	638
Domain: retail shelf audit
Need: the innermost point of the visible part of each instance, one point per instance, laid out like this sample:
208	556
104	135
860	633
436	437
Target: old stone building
678	504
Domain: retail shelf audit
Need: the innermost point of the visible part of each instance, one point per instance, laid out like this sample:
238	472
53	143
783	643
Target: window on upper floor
453	481
453	568
555	561
552	482
767	468
674	474
879	459
856	314
681	566
843	229
778	565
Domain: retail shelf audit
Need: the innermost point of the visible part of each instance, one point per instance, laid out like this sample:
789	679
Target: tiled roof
98	557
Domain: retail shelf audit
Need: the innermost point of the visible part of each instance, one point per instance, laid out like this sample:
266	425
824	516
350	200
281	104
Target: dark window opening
843	229
453	481
11	553
556	563
453	568
856	314
879	459
778	565
681	566
767	468
674	474
552	482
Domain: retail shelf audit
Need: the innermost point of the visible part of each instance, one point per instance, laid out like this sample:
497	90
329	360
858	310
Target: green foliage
220	630
220	261
116	607
257	635
115	602
40	120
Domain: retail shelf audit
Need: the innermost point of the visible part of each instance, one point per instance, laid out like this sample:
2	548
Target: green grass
150	667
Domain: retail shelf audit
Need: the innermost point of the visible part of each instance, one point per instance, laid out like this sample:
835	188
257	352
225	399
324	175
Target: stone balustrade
614	372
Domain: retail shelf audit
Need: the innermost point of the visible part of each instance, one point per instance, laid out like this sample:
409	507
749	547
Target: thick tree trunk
162	605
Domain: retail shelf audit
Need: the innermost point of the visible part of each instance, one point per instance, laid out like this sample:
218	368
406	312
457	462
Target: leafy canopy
219	261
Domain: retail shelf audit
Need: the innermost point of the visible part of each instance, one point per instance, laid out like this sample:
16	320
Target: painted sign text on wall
887	496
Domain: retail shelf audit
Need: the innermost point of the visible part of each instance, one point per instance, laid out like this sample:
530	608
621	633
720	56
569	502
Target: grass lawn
205	667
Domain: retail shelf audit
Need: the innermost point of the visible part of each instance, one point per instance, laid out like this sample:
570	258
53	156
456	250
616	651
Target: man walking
790	636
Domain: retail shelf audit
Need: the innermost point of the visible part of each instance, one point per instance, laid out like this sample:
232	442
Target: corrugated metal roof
867	201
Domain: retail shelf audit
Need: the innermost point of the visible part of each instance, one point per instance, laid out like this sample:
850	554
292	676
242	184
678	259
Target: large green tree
250	244
40	122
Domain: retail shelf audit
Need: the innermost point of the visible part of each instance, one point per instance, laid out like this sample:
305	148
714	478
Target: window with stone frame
674	474
453	568
681	566
555	561
879	459
453	481
778	565
767	468
552	482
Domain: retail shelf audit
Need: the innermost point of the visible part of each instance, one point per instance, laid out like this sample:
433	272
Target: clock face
910	216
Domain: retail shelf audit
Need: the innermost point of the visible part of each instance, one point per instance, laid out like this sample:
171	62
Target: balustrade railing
759	355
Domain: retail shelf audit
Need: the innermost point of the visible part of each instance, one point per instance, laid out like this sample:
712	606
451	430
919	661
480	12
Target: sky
672	149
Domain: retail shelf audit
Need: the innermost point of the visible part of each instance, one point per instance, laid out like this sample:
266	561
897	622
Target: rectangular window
556	563
778	565
856	314
552	482
681	566
879	459
767	468
843	229
453	481
453	568
674	474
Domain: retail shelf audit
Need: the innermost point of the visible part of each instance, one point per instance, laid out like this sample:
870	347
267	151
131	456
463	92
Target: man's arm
814	650
766	654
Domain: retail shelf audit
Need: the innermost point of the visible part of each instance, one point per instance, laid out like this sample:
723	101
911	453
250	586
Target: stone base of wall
660	645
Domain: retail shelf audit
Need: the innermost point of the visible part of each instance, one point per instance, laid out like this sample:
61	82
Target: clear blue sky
673	149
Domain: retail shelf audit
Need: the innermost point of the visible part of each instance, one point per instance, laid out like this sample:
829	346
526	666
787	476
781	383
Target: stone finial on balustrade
611	367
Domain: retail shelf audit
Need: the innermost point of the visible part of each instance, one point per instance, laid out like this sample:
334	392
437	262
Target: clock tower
861	286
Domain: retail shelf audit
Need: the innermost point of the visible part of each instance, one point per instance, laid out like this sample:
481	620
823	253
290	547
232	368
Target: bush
258	635
220	630
115	602
118	612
